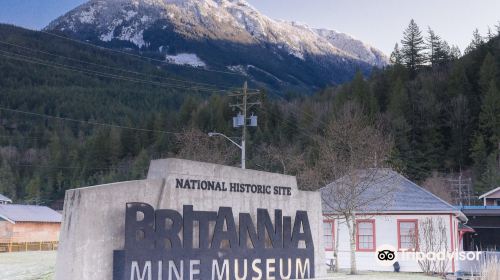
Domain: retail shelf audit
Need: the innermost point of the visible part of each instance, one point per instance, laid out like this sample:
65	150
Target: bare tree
437	185
432	238
353	154
196	145
288	160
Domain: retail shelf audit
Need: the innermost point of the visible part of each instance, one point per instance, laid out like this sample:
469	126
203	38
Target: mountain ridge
210	29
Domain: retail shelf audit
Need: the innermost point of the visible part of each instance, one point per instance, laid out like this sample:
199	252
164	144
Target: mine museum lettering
164	244
206	185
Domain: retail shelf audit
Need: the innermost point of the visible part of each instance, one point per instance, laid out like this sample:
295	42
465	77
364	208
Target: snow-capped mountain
222	34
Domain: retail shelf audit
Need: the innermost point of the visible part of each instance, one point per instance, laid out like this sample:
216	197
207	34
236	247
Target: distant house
491	198
484	222
396	223
28	223
4	199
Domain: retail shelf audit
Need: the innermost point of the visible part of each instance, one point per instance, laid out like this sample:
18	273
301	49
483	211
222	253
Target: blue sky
378	22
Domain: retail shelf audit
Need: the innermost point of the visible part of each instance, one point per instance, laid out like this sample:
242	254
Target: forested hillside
74	115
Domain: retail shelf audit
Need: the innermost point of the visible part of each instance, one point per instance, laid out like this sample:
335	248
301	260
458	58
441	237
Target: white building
396	221
4	199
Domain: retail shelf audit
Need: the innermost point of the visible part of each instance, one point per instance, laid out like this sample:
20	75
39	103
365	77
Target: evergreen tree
396	56
479	155
7	181
477	41
413	46
363	96
489	118
487	73
455	52
436	48
490	179
33	191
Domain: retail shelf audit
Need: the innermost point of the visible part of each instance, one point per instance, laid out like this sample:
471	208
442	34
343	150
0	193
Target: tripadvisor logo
386	255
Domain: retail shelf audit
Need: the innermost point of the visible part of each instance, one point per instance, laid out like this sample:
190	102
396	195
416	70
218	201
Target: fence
473	267
28	246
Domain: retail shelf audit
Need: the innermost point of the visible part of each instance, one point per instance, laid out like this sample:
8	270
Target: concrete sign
192	220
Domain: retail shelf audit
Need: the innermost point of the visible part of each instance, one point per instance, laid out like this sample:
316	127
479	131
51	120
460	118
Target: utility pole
244	102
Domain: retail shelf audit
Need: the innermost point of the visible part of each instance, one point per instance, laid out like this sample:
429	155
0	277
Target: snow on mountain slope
355	47
216	21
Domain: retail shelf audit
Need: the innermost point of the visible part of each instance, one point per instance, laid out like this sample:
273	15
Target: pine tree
33	191
396	56
489	118
458	83
398	100
479	155
413	46
455	52
489	34
433	44
477	40
490	179
7	181
487	73
363	96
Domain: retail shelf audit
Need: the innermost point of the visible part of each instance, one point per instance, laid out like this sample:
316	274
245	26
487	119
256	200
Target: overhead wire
116	68
88	122
32	60
131	54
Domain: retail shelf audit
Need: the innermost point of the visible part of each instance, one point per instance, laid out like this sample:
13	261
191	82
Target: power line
145	81
131	54
307	134
101	74
63	167
89	122
113	68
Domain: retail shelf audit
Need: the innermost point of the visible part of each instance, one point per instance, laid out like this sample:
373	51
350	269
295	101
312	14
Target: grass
365	275
491	270
27	265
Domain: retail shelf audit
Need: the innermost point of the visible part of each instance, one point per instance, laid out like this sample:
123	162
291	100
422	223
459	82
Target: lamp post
242	120
240	146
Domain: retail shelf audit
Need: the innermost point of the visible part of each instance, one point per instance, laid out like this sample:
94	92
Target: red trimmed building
396	222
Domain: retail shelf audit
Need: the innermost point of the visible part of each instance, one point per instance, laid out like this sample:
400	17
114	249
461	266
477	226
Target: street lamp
240	146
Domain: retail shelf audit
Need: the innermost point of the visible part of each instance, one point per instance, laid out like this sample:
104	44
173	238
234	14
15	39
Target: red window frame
332	222
415	221
374	243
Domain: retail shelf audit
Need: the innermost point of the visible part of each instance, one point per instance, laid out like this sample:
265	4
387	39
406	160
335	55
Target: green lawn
27	265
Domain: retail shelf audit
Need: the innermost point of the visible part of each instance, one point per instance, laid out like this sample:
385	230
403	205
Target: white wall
386	233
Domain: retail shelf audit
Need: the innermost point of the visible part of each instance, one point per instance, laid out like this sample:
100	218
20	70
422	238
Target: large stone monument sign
192	220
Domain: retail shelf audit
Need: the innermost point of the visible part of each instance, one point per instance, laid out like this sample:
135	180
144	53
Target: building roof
5	199
398	195
489	193
29	213
481	210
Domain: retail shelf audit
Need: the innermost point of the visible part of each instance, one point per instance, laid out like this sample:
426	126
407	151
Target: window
365	235
498	202
408	234
328	234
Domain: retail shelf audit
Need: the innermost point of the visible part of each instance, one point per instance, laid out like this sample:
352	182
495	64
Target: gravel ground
27	265
40	266
380	276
